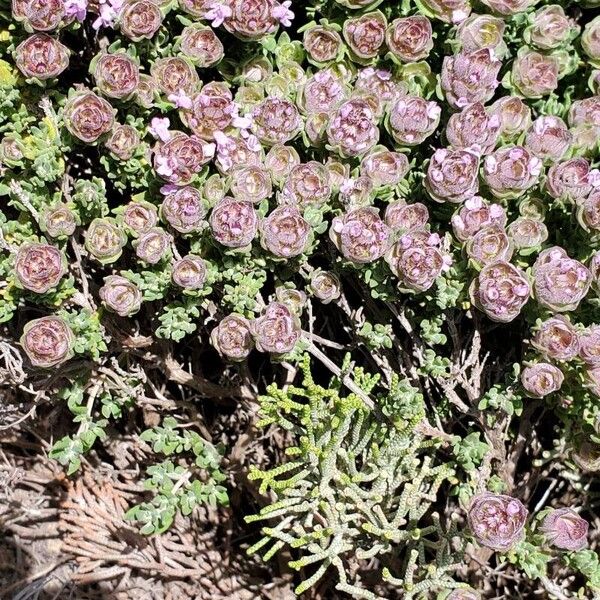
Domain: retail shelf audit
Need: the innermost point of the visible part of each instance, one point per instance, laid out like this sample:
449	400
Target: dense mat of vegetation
299	298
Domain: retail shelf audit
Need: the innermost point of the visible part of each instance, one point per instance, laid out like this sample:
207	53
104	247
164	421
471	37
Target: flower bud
325	285
384	167
587	455
152	245
557	339
549	138
39	267
585	112
410	38
201	45
285	232
105	240
497	521
588	211
210	112
174	75
500	291
294	299
307	185
365	34
181	158
534	74
121	295
40	15
59	221
356	192
140	19
474	128
476	215
590	39
413	119
452	175
572	180
510	171
280	160
139	216
322	92
489	245
526	232
251	183
276	121
589	345
322	43
41	56
87	116
541	379
117	75
379	87
514	115
123	141
47	342
565	529
189	272
12	150
232	338
560	282
238	152
234	223
550	28
251	19
404	218
509	7
353	128
360	235
417	261
277	331
449	11
469	77
146	92
184	210
480	32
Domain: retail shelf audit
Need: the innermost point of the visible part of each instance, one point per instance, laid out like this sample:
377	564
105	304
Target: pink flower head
159	129
218	13
76	9
277	331
549	138
565	529
560	282
510	171
497	521
500	291
283	14
180	99
474	216
541	379
360	235
109	10
452	175
571	180
557	339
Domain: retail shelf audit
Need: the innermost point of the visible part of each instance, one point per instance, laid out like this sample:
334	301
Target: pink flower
217	14
497	521
159	128
180	99
565	529
76	9
541	379
560	282
283	14
109	9
557	339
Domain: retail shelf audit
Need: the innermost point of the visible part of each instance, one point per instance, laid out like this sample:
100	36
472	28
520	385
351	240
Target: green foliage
355	487
195	480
